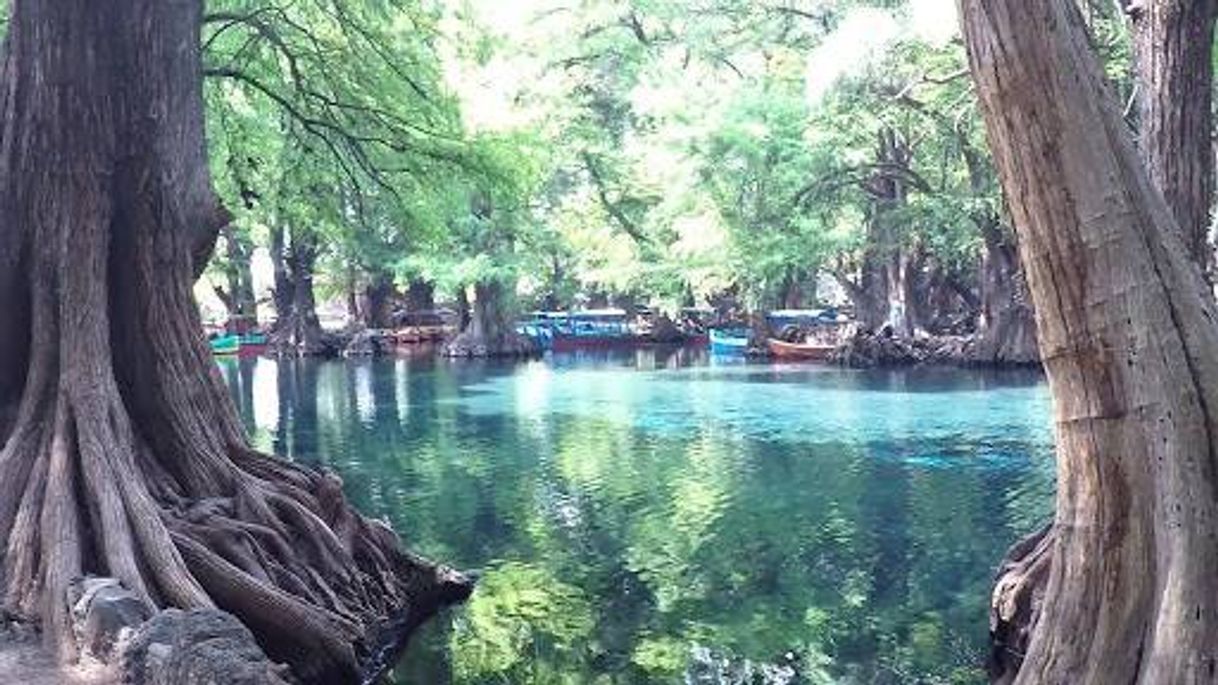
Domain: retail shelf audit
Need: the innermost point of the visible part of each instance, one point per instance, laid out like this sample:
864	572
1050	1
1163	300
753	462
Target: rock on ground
104	613
198	647
122	640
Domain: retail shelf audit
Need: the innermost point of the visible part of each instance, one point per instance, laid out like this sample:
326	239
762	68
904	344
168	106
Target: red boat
813	352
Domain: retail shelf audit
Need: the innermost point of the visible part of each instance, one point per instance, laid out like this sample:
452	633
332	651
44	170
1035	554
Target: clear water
667	517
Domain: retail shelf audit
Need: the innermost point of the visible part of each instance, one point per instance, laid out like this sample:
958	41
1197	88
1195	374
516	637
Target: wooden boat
800	351
729	341
225	344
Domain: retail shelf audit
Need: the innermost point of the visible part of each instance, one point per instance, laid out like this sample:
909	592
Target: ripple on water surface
651	518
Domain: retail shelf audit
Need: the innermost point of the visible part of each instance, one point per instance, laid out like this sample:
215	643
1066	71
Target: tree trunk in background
351	294
241	302
420	296
553	300
1129	342
463	309
882	298
1006	324
126	457
282	295
490	331
792	295
379	296
899	275
297	329
489	318
869	295
944	302
1173	57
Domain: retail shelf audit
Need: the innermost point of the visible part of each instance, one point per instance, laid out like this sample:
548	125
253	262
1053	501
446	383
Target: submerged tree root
1015	605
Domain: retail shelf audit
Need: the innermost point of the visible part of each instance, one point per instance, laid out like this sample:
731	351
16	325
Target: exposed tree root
279	547
122	454
1016	602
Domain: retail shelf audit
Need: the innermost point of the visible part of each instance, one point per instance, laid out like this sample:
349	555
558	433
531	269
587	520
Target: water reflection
660	516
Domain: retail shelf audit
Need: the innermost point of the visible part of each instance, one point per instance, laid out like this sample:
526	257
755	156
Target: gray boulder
103	613
198	647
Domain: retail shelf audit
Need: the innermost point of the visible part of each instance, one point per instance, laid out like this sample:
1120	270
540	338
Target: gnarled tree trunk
125	456
1129	342
1173	44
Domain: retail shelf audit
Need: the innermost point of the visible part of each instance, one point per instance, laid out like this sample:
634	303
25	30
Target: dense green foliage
663	152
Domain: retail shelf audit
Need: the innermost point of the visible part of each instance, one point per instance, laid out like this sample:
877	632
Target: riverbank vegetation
741	158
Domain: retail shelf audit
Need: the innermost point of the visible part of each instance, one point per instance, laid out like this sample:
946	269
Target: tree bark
125	456
241	302
283	291
1131	349
1173	44
882	299
298	331
489	332
1006	324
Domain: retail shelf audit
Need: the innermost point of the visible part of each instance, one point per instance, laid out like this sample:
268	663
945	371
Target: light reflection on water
664	517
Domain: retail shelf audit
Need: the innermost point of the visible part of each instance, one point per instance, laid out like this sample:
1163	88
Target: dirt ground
28	663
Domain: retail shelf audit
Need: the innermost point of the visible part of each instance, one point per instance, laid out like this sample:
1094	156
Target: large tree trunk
126	457
1173	56
1131	349
791	295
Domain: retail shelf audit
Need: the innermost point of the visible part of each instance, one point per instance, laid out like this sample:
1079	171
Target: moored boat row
603	328
793	335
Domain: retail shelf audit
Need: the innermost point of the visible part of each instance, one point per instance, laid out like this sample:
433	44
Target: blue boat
594	328
729	340
541	327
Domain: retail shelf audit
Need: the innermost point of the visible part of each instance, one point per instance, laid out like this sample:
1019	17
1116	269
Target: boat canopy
803	315
598	314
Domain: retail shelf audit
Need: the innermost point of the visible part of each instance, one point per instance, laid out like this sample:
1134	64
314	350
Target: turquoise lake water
666	517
